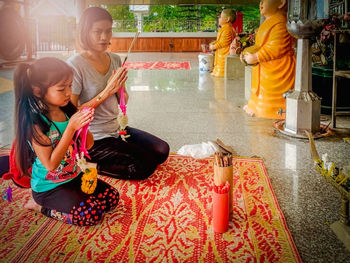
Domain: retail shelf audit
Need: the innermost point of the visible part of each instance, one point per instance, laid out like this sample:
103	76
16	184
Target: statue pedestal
234	68
303	112
247	82
303	106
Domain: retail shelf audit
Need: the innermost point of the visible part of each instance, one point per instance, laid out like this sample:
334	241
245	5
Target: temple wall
162	41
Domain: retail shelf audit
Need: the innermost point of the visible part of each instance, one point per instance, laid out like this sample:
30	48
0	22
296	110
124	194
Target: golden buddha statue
223	41
273	60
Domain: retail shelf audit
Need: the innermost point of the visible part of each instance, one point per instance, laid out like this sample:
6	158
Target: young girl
46	122
93	68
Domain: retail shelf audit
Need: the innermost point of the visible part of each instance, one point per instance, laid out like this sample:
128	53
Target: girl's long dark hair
42	74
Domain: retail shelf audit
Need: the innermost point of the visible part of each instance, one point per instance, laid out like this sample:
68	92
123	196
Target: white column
139	22
80	6
303	105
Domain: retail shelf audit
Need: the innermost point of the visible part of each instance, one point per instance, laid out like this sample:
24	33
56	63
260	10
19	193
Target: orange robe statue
223	41
275	73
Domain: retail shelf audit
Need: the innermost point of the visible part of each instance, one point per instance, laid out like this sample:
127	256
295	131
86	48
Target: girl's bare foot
248	111
31	204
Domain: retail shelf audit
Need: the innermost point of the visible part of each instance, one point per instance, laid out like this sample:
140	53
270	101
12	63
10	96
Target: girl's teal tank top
44	180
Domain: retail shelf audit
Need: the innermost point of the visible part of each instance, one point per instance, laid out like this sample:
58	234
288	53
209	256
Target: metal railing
166	26
59	36
338	7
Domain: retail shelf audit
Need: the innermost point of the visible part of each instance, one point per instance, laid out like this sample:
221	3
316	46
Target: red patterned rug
164	218
158	65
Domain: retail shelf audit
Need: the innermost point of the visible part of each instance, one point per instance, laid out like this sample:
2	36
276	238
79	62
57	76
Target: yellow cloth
223	41
275	73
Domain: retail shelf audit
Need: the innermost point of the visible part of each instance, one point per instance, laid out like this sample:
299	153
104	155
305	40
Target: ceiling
172	2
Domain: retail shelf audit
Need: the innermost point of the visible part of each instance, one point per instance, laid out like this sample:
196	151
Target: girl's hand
81	118
118	82
212	47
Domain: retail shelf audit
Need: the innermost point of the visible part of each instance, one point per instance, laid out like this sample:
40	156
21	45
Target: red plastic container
220	212
221	175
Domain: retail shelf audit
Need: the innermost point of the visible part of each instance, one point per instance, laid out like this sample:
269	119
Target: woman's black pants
135	159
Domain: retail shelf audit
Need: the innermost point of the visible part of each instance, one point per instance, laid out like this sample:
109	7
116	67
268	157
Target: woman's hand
118	82
81	118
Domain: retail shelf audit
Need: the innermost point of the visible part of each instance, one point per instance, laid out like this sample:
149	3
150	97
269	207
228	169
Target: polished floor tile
189	107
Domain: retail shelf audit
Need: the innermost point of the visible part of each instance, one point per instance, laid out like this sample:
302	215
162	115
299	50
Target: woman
93	68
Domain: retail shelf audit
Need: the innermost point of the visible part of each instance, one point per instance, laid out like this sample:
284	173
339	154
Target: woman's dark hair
87	19
42	74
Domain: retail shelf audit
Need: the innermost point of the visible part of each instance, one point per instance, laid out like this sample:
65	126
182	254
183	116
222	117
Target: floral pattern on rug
166	218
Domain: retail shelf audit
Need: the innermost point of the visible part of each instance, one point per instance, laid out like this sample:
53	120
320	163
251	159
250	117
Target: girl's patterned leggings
69	204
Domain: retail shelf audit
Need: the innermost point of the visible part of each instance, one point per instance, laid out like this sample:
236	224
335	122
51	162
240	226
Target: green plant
172	18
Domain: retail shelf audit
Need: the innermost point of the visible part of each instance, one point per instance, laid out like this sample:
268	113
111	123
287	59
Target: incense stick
223	159
131	46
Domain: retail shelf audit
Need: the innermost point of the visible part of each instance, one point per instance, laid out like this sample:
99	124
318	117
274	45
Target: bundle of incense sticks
222	188
223	159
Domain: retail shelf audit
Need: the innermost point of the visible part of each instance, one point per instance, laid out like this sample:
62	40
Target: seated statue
223	41
273	60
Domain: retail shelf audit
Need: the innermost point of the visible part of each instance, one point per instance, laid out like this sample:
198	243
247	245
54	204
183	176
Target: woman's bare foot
248	111
31	204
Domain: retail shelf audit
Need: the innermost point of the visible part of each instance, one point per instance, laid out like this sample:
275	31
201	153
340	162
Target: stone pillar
80	6
28	37
303	105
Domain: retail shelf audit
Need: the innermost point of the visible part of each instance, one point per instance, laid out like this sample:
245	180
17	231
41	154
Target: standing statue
273	62
223	41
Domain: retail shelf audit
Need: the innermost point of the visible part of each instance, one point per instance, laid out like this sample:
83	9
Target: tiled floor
188	107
